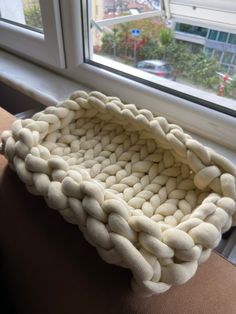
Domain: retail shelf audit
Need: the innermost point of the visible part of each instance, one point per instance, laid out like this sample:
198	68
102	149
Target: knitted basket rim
147	195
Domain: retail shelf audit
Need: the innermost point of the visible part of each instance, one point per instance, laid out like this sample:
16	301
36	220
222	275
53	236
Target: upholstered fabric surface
144	193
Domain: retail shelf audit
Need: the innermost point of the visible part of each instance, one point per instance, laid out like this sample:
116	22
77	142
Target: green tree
110	42
157	43
125	41
203	71
151	50
33	16
125	45
165	36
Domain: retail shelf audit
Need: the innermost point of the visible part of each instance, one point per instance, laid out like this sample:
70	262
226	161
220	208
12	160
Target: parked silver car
157	67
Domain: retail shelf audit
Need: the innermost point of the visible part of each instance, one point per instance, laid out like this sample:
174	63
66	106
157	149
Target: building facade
215	43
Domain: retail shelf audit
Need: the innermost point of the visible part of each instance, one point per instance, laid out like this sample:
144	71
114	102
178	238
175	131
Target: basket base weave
144	193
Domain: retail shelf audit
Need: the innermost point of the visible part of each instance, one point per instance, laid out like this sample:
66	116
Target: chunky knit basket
144	193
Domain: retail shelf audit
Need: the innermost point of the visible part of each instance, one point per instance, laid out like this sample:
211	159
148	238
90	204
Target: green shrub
33	16
158	43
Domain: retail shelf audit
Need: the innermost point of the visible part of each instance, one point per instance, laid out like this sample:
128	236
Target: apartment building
215	43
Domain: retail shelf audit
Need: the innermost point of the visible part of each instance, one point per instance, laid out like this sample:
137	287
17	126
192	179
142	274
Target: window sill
34	81
48	88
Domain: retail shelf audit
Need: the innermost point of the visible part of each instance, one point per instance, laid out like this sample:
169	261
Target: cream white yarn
144	193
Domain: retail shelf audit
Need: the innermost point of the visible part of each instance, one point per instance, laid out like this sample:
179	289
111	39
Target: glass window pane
223	37
212	34
178	27
168	67
116	8
234	60
150	66
232	39
191	29
208	52
227	58
120	41
141	65
217	55
156	49
23	12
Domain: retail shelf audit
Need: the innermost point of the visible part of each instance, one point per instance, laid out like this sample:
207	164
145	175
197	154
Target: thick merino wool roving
144	193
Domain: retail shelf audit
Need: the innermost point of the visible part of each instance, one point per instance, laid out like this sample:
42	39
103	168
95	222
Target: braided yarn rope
145	194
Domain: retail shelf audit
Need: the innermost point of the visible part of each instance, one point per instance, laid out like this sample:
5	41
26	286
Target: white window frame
200	120
128	18
46	47
214	125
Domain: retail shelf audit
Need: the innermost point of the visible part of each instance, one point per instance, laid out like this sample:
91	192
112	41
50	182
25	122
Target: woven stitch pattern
145	194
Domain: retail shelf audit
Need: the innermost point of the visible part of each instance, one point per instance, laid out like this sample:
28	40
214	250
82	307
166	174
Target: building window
234	60
209	52
232	39
227	57
222	37
191	29
212	34
218	55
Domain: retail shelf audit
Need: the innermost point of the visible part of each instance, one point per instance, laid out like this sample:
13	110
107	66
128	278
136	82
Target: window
213	34
100	43
208	52
23	12
227	57
149	66
121	37
217	55
191	29
32	28
223	37
234	60
167	68
232	39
